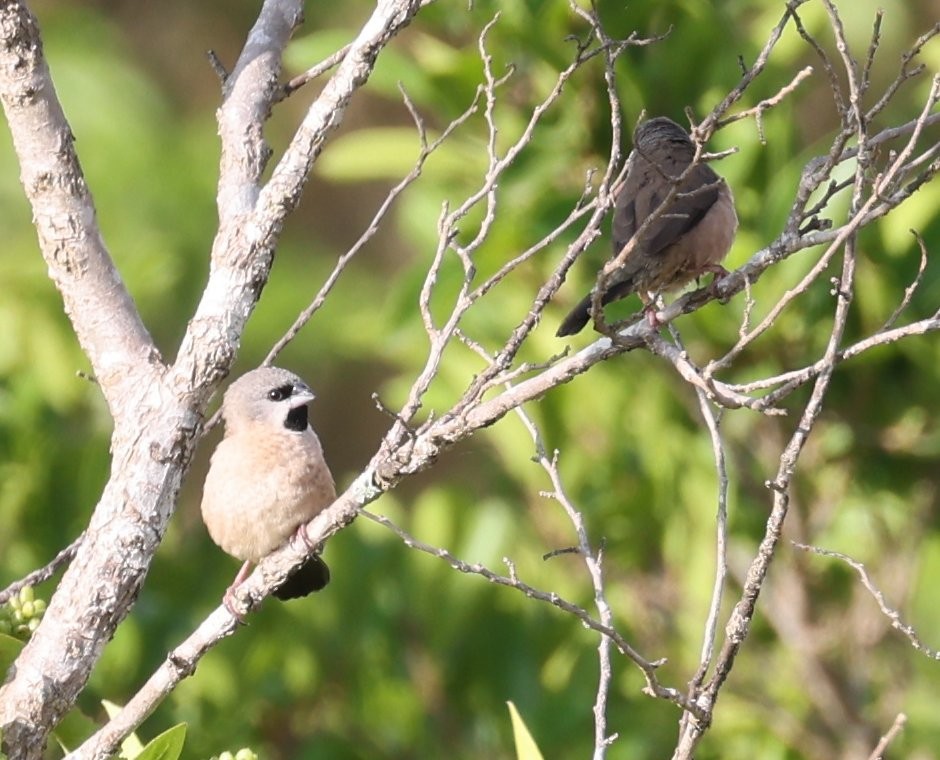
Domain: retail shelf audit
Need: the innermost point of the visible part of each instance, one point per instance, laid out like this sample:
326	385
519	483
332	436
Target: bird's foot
652	316
301	535
718	271
651	305
228	601
228	598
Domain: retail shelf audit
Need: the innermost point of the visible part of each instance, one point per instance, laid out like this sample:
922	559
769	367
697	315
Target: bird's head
267	396
658	133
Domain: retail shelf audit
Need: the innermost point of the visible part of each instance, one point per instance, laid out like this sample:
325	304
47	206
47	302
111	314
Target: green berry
26	594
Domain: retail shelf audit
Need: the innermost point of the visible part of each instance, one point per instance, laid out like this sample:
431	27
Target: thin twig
758	111
910	289
897	727
889	612
314	72
593	560
427	148
43	573
654	688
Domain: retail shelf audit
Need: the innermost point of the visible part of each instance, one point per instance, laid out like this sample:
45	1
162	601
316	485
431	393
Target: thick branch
101	310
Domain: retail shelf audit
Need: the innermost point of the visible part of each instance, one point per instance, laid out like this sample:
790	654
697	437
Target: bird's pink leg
650	310
228	597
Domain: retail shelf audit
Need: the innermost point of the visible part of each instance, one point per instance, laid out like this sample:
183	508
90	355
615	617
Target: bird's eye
280	393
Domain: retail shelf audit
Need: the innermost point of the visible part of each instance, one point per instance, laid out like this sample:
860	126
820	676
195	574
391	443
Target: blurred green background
402	657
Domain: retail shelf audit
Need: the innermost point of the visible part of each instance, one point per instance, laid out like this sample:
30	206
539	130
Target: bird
691	235
267	477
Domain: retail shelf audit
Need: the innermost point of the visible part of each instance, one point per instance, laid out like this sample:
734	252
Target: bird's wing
682	214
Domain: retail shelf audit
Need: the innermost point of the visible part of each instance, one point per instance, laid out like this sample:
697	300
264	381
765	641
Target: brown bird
690	237
267	477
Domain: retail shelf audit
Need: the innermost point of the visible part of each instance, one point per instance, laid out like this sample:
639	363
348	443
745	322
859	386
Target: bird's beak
301	395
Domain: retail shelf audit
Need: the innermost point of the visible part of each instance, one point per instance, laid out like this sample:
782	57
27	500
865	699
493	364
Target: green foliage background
402	657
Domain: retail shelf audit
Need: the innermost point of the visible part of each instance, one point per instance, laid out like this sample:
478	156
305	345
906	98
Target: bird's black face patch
281	392
297	419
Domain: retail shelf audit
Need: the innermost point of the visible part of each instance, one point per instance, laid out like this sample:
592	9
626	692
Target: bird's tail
312	576
577	318
580	315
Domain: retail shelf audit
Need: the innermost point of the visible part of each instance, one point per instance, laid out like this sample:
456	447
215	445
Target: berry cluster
243	754
20	616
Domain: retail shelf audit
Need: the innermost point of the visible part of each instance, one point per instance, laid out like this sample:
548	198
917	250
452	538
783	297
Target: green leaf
131	747
73	729
166	746
9	650
526	748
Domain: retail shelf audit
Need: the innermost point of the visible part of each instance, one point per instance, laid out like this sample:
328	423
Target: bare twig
593	560
715	390
314	72
653	688
427	148
789	381
758	111
712	422
897	727
910	289
43	573
889	612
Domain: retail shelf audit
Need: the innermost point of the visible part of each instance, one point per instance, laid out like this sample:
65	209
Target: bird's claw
230	604
228	598
301	535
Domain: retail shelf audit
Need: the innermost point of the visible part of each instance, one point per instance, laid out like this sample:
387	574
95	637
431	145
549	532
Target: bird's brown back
658	162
